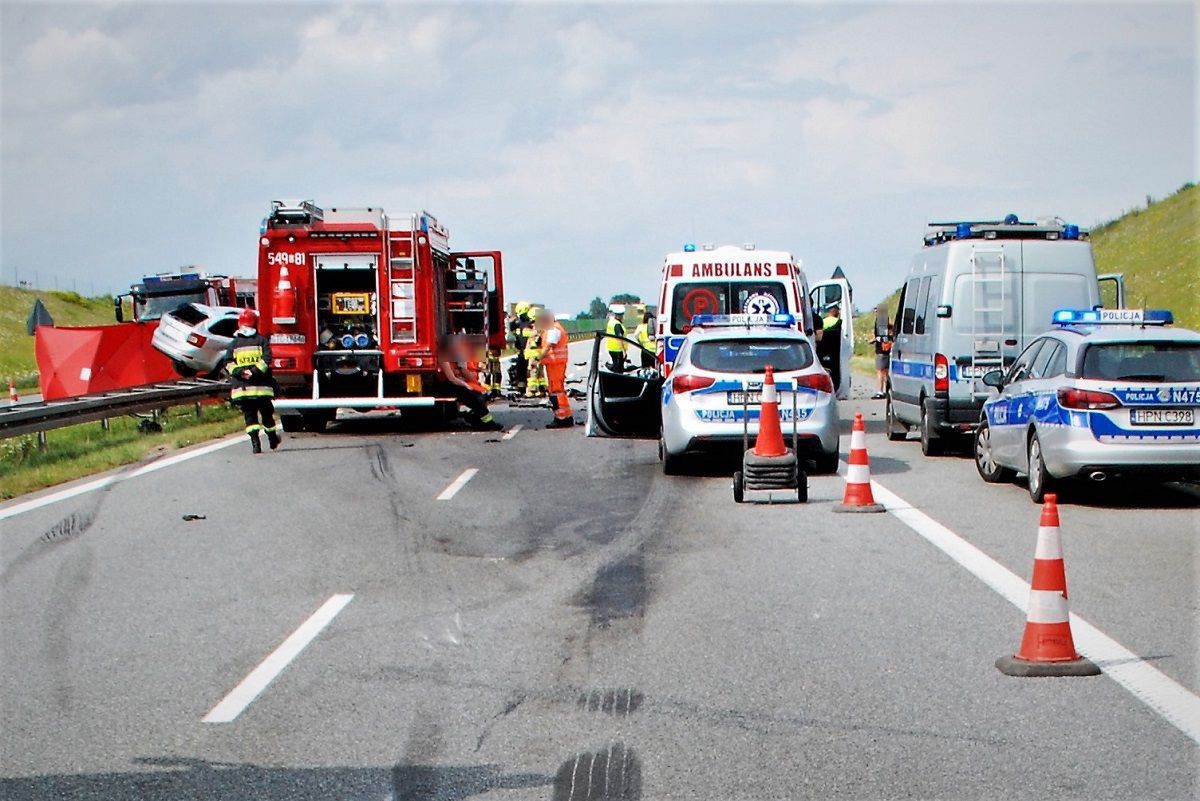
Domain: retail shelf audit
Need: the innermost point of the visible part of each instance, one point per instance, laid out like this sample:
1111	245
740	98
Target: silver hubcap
983	451
1035	465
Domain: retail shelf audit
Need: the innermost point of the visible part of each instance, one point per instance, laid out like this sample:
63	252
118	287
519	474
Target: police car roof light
1112	317
718	320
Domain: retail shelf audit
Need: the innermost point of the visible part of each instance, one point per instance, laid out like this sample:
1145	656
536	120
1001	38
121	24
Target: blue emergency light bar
718	320
690	247
1112	317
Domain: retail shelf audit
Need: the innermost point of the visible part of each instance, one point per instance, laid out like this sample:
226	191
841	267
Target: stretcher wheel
801	486
739	487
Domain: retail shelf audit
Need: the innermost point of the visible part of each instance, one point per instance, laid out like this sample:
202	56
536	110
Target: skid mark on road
250	687
614	774
1175	703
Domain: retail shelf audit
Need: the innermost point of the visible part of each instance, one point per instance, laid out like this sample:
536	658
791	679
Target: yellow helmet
520	307
532	312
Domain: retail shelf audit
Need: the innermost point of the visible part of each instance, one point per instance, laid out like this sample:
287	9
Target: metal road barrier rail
29	418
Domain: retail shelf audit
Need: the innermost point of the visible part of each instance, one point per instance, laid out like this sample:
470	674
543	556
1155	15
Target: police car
1107	392
713	395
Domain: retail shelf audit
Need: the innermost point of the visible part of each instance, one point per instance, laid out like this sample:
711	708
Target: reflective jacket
614	328
253	354
556	352
644	337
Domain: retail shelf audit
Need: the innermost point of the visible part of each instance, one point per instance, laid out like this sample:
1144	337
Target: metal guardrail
30	418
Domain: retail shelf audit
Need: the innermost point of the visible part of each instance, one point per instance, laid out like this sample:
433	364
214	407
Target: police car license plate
745	398
1162	417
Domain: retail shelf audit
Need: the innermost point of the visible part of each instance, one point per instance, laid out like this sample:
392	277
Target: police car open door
624	400
836	348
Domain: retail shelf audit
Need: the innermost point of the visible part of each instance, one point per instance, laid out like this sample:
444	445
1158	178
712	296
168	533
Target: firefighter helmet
248	318
520	307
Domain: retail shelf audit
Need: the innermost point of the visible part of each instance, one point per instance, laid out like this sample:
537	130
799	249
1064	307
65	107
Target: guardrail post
104	424
199	406
41	441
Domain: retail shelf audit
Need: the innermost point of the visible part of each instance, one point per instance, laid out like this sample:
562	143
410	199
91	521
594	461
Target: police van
976	294
733	279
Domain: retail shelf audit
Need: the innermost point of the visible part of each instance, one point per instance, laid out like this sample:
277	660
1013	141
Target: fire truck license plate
741	399
1162	417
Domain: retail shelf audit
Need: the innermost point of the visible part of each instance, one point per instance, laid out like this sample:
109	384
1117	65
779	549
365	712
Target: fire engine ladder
990	304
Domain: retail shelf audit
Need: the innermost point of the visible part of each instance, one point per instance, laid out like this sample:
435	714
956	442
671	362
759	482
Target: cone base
1024	668
867	508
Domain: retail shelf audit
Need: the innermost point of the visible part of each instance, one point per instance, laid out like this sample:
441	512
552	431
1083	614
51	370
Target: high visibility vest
614	345
533	346
558	351
644	337
830	322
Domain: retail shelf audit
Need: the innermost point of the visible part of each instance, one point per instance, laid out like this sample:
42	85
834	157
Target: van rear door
1055	275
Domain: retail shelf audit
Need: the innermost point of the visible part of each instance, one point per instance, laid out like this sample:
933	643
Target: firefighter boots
255	443
273	439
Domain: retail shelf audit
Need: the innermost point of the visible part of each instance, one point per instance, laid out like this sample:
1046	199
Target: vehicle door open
825	295
626	403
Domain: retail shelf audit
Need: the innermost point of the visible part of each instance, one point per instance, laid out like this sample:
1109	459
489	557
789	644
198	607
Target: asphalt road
568	624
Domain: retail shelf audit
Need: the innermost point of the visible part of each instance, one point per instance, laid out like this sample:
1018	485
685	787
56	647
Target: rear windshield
717	297
752	355
189	314
1151	362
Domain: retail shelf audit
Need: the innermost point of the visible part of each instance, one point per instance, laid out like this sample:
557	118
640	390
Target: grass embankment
77	451
16	346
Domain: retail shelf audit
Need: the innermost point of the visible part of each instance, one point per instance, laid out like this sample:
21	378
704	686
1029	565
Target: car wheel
662	449
182	369
896	431
1040	482
985	459
826	463
672	465
739	487
930	444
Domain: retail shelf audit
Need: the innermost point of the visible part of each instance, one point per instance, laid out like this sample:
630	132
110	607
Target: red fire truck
355	302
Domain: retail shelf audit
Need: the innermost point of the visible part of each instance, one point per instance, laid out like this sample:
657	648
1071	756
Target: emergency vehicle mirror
118	310
993	378
943	311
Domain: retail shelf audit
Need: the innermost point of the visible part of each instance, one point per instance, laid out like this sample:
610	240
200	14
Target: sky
585	141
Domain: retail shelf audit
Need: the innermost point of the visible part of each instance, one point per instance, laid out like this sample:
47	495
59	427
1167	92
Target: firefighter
554	361
535	382
645	337
453	353
248	362
520	327
616	347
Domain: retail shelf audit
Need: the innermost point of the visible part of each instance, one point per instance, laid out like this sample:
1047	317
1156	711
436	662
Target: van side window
909	314
922	305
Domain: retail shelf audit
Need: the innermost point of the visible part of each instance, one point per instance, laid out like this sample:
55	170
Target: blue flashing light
1070	231
347	340
1011	219
962	231
782	320
690	247
1103	316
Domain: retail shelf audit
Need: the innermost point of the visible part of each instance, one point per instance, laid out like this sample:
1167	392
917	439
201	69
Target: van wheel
896	431
1040	482
930	444
985	459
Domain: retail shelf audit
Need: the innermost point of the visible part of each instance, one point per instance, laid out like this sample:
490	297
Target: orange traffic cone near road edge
858	496
12	392
770	436
1048	649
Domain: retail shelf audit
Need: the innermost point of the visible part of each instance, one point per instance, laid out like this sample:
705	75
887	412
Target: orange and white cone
1048	649
858	496
770	435
13	397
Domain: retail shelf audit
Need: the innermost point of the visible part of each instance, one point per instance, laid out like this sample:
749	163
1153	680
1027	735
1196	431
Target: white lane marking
100	483
512	432
1175	703
457	484
242	695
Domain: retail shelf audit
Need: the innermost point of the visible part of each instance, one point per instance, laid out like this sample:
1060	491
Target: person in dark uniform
520	327
248	362
456	381
829	346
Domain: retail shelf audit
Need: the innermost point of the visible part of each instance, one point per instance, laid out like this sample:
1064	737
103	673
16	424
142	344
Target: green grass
16	346
76	451
1158	250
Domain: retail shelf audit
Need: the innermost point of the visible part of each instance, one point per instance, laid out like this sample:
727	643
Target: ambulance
733	279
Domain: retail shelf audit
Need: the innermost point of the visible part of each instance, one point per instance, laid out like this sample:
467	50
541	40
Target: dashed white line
100	483
242	695
1175	703
457	484
512	432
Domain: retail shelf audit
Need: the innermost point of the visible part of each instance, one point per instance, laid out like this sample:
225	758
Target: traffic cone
12	392
770	436
1048	649
858	496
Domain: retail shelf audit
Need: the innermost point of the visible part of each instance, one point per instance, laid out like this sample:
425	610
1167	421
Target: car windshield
1164	362
752	355
152	307
188	313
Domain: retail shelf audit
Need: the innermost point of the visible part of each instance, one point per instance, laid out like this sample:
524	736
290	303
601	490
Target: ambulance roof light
1103	316
707	246
1011	219
962	231
690	247
748	246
